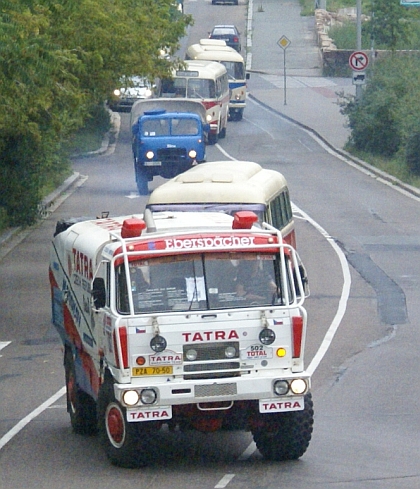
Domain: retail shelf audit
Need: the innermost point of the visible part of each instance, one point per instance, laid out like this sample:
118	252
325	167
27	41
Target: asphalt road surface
360	241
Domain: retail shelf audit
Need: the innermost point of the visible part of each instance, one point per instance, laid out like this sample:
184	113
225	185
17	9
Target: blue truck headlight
192	153
150	155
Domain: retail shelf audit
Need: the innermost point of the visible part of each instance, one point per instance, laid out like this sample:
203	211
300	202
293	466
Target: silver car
132	88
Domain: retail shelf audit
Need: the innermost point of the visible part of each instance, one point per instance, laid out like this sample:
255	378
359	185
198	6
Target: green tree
389	25
57	61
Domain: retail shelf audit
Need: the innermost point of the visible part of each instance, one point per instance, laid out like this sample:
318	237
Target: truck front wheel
142	182
80	406
119	438
285	436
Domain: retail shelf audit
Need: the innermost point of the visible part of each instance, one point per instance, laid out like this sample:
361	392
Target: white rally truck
190	320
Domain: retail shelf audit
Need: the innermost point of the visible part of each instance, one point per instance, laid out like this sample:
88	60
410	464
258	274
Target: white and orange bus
230	186
206	81
216	50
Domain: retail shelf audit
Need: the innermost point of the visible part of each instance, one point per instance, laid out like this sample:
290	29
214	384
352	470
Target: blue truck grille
171	155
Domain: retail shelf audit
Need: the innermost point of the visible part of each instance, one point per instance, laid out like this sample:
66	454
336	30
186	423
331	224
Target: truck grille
171	155
211	360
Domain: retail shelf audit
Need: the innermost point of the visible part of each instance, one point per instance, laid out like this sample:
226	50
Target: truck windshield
203	282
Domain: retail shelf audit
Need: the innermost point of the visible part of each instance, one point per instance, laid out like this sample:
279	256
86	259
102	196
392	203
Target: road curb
366	166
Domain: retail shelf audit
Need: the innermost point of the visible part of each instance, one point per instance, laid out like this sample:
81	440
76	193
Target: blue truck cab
166	143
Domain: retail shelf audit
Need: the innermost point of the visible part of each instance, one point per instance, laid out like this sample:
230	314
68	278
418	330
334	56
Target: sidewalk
304	95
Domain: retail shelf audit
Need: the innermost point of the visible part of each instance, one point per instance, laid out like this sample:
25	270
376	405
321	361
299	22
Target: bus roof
221	182
213	52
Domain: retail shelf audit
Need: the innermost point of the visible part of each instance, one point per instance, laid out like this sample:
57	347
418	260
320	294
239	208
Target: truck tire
80	406
285	436
119	438
142	182
212	138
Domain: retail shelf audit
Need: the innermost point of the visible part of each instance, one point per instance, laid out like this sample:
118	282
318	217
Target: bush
412	153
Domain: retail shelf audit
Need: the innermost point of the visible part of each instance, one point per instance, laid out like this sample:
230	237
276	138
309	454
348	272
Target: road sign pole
359	88
283	42
284	77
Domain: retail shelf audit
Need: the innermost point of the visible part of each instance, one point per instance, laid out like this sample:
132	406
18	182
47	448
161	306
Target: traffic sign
359	77
283	42
358	61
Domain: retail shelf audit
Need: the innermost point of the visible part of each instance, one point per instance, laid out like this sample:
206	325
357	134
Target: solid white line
23	422
224	481
345	293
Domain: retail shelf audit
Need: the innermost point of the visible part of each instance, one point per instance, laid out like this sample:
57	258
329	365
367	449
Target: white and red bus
230	186
206	81
216	50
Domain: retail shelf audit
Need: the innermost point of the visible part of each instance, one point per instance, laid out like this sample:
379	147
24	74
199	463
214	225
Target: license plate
282	405
152	163
139	371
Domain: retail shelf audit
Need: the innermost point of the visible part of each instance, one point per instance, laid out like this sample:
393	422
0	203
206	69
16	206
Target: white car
132	88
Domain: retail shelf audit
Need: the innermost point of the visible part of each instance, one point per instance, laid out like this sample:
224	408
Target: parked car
227	33
132	88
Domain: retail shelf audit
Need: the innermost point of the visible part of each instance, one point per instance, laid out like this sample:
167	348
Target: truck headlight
281	387
230	352
267	336
298	386
117	92
149	155
148	396
192	154
130	398
191	354
158	343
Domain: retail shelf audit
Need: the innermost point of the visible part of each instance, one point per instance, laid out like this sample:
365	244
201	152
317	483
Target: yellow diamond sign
283	42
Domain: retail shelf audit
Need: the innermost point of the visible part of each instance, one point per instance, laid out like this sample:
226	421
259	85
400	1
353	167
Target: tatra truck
181	321
168	138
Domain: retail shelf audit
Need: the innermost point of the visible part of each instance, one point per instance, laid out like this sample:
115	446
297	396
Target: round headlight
298	386
208	117
191	355
149	155
267	336
158	343
230	352
117	92
192	153
148	396
130	398
280	387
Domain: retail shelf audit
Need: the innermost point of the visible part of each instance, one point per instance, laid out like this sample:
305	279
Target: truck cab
167	143
190	320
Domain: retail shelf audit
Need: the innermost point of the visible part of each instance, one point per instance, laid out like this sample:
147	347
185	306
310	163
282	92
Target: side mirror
98	293
248	76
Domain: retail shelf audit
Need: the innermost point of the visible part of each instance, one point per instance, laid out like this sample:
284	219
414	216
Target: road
361	345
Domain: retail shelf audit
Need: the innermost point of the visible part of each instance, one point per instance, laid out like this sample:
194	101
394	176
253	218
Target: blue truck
168	138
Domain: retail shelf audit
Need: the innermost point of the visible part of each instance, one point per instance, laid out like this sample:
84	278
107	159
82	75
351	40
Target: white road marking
224	481
27	419
248	452
345	293
3	344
